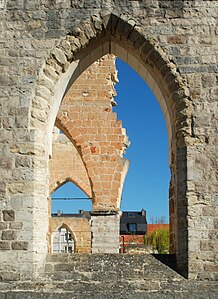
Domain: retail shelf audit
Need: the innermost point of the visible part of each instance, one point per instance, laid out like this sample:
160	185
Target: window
130	214
63	241
132	227
68	236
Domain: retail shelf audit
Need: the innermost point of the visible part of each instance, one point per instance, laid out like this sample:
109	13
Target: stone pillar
105	227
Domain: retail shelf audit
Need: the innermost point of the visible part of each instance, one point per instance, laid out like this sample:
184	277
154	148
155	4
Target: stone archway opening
152	64
69	198
72	121
45	47
76	113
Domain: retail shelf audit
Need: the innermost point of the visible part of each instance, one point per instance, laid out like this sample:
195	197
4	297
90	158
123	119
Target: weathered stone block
49	268
2	4
4	245
9	276
3	225
23	161
16	225
6	162
8	215
60	56
19	245
8	235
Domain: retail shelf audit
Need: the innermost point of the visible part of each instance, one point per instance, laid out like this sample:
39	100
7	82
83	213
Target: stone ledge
137	289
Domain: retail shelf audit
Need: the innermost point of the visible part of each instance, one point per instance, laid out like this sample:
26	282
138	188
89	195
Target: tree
158	220
159	240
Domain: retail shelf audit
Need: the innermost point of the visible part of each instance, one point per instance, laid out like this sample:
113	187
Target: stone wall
105	232
45	46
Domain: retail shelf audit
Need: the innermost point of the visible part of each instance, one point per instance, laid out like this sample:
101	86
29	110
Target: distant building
133	228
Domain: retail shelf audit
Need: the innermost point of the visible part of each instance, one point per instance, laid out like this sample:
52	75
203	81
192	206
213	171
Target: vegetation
158	220
159	241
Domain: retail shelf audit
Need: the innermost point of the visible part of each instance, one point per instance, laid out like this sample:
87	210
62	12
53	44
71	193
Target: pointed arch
111	33
76	181
79	227
63	239
115	33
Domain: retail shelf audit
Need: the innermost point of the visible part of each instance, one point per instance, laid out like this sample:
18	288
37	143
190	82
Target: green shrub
159	241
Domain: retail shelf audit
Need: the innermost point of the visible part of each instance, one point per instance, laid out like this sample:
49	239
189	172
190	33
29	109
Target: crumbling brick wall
66	165
86	117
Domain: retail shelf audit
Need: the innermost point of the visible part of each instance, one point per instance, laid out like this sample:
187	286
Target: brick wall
86	117
66	165
126	240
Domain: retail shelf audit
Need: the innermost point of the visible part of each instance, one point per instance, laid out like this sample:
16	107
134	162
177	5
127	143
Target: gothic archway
128	40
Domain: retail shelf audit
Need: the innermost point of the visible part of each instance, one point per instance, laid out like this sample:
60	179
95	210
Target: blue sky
147	182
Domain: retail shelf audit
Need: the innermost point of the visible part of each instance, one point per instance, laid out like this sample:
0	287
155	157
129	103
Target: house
133	228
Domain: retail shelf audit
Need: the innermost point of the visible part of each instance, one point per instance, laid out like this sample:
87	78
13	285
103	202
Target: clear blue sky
147	182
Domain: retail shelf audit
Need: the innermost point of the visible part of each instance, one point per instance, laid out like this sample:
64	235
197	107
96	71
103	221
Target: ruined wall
46	45
66	165
86	117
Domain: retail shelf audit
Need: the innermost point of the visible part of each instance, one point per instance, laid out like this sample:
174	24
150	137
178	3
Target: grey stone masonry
8	215
44	46
105	233
4	245
106	276
19	245
8	235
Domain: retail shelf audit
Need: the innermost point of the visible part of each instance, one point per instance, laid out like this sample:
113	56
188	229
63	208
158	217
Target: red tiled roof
153	227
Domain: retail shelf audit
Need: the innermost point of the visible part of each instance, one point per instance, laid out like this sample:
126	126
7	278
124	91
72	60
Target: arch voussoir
51	73
137	38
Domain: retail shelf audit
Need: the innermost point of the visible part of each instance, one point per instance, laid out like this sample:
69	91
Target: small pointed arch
70	199
66	226
76	181
63	239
